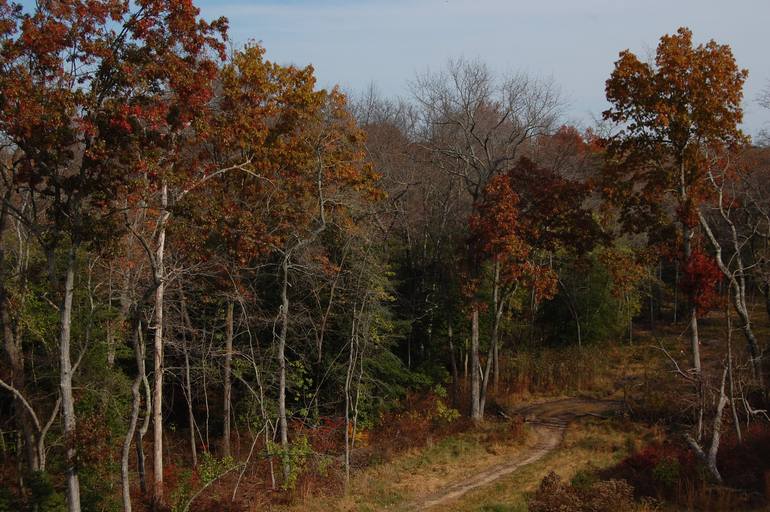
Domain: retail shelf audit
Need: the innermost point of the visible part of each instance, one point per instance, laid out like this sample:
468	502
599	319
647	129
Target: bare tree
732	265
477	123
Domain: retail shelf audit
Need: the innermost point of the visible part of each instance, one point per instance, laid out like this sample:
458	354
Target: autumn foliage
279	279
700	279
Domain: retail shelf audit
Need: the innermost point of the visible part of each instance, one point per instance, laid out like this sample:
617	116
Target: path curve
548	419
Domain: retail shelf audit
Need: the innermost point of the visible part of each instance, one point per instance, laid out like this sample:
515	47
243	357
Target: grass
418	473
588	444
616	371
395	484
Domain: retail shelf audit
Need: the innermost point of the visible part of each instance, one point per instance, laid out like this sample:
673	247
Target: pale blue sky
574	42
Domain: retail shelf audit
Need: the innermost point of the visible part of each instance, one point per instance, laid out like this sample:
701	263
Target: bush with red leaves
700	280
746	465
658	470
325	437
420	419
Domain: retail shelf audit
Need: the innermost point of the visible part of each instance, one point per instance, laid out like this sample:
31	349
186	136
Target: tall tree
477	124
670	113
84	84
524	217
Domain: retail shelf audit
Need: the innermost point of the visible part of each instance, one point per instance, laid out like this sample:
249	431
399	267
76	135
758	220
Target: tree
523	218
730	224
83	85
670	113
477	125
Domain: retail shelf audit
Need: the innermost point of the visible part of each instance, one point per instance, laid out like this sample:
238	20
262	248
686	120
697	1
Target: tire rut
549	420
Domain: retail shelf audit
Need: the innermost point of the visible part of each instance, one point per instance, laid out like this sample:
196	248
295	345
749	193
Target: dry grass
420	472
587	444
617	371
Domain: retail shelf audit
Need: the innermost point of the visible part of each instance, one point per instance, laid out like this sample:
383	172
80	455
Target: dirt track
548	421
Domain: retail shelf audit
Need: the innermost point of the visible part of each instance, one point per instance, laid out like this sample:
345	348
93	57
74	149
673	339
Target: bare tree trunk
135	407
13	352
737	281
689	233
188	380
496	300
157	398
142	431
453	362
694	338
465	359
188	396
348	381
228	383
65	385
579	332
736	420
496	363
676	290
485	374
282	367
475	366
15	363
110	345
498	306
710	458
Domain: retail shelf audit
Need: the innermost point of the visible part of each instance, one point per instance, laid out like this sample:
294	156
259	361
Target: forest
223	287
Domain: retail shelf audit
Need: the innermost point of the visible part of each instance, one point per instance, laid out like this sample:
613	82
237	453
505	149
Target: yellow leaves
302	144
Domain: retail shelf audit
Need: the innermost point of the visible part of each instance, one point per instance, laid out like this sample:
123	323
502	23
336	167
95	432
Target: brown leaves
295	151
689	94
676	118
525	213
92	87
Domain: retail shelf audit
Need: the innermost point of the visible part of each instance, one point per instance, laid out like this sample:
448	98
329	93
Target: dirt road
548	421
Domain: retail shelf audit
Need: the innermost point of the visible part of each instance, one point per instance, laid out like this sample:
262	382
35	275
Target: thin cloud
356	42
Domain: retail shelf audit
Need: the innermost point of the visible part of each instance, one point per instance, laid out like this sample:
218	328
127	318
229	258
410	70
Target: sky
354	43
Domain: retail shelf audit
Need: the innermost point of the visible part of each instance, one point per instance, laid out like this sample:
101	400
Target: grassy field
396	485
416	473
588	444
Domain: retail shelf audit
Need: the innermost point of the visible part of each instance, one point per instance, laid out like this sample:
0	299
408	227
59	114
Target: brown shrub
423	418
554	495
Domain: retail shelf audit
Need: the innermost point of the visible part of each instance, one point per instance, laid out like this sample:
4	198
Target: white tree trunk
737	281
710	457
496	304
157	397
283	425
475	370
126	452
694	338
65	384
190	413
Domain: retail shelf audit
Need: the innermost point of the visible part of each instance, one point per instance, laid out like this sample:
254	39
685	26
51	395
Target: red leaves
494	223
701	276
88	86
527	211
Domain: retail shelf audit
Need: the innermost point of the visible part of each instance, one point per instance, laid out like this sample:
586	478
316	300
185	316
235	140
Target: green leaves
210	467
